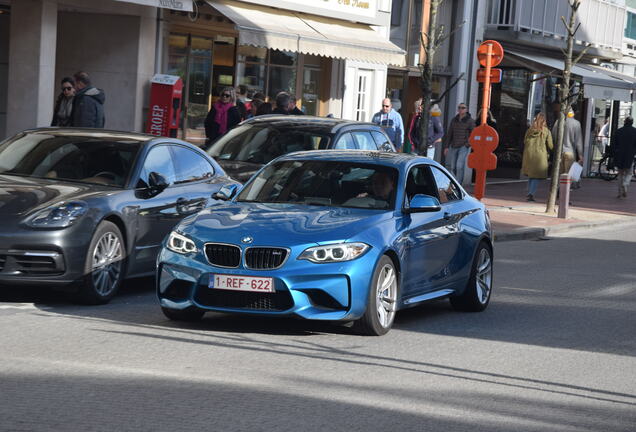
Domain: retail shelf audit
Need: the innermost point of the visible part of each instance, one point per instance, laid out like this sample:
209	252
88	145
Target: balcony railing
602	21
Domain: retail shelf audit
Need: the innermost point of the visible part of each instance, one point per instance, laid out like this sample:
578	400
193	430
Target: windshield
263	143
76	158
324	183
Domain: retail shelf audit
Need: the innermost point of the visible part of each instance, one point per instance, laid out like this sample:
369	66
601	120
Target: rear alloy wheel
381	306
476	296
105	265
190	314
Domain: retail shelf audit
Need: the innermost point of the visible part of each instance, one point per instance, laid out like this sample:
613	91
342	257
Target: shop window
281	79
252	54
267	71
630	27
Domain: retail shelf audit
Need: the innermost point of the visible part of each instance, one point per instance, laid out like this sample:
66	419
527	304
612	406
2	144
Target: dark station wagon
245	149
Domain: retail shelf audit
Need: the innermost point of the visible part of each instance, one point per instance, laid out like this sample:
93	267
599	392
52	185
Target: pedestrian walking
282	103
242	102
432	145
456	145
624	145
603	137
391	121
572	149
537	146
293	109
264	109
62	113
223	115
88	104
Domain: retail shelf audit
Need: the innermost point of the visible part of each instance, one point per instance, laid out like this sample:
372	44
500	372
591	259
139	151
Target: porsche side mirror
226	193
421	203
156	182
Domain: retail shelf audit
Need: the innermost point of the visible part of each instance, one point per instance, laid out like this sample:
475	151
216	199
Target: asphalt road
555	351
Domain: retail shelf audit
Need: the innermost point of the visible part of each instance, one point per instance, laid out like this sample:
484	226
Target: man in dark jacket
624	145
282	103
88	105
456	145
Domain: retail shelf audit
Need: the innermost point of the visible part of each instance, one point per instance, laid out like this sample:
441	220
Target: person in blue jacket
391	121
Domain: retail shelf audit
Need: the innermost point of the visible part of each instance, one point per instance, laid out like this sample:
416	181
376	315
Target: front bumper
43	257
334	291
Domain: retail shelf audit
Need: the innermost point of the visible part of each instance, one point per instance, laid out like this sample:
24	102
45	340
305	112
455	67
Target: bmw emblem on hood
247	239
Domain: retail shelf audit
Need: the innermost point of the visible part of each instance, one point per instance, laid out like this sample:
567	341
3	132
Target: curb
533	233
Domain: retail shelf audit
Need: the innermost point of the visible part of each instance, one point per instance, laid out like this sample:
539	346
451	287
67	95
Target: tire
380	313
604	171
189	315
476	296
104	266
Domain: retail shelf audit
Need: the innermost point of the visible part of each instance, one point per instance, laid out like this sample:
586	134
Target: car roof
358	156
108	135
327	124
93	133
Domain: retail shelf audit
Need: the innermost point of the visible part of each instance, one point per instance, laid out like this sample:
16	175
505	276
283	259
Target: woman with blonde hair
536	152
223	115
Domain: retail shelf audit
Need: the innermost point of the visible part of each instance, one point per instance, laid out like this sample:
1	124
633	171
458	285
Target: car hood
280	224
20	195
239	170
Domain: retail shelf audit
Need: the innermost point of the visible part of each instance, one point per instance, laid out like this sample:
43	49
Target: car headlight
58	216
334	252
180	244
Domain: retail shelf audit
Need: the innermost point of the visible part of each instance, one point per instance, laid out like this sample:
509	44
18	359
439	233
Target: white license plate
241	283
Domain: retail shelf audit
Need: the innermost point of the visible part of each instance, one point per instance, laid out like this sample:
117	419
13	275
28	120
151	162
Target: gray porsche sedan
83	209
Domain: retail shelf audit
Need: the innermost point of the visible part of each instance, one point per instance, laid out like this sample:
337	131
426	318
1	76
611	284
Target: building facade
332	55
532	34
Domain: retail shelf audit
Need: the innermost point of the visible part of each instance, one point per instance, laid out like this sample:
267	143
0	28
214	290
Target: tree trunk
427	76
564	95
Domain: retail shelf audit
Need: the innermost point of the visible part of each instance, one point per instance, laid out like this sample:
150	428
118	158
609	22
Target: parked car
245	149
332	235
93	206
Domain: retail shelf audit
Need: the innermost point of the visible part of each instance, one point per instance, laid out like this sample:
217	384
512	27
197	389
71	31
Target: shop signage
364	11
181	5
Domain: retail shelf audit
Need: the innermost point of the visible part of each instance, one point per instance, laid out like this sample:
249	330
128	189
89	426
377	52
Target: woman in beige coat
536	152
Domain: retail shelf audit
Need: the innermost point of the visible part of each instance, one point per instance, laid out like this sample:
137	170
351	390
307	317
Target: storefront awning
181	5
287	30
597	82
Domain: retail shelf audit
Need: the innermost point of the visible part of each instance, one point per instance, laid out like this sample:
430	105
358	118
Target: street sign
483	140
496	56
495	75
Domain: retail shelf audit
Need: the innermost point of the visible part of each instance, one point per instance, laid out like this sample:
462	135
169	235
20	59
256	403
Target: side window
345	142
447	190
190	166
380	139
158	160
420	181
364	140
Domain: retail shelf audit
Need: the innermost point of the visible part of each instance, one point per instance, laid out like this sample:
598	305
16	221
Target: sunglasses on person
461	107
227	95
67	88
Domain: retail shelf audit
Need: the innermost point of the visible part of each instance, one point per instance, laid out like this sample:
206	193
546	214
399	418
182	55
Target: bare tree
565	97
431	39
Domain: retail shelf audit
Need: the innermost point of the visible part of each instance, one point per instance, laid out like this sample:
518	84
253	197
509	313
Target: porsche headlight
180	244
58	216
334	252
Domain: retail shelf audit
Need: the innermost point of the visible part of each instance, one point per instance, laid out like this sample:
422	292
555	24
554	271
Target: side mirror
226	193
156	182
421	203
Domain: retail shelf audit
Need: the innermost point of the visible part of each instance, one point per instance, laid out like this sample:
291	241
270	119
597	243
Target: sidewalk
594	204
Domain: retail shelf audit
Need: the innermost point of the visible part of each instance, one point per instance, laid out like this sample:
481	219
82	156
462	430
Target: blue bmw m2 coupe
332	235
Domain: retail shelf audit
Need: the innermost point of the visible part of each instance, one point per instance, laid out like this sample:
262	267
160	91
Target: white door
364	86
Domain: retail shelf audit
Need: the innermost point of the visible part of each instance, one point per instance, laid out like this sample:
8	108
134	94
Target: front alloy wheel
104	265
381	306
